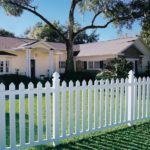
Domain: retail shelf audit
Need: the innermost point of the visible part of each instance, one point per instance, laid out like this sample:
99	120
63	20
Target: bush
86	75
120	66
16	79
105	75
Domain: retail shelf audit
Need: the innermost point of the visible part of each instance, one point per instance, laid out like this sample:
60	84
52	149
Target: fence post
56	85
130	97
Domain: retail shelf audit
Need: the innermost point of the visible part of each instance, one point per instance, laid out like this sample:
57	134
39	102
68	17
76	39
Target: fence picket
12	116
77	126
117	101
126	98
22	113
143	98
31	113
64	109
89	105
95	104
135	100
121	101
39	111
56	117
48	111
101	102
147	97
106	102
84	106
2	117
139	98
112	103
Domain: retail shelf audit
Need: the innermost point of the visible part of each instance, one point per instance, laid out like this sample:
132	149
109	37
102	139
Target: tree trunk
70	57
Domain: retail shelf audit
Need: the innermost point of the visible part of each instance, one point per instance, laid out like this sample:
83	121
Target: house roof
111	47
9	43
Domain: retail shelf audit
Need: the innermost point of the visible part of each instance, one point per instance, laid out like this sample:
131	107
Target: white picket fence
52	113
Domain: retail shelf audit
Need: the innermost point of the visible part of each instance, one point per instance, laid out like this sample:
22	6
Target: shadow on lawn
135	137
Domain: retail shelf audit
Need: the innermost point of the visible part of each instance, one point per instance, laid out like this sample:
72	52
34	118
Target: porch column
51	62
28	62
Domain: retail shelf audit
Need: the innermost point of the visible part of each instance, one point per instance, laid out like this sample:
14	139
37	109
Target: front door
32	68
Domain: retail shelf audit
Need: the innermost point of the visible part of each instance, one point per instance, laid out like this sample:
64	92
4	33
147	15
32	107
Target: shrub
105	75
86	75
120	66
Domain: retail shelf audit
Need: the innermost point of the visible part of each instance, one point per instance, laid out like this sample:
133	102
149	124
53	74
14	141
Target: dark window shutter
85	65
101	64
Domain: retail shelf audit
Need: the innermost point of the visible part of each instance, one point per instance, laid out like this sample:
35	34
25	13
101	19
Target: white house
35	58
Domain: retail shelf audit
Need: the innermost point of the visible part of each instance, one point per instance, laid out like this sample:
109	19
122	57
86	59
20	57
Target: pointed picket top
117	81
139	79
21	86
30	86
107	82
39	85
135	80
122	80
12	86
84	83
90	83
101	82
148	79
112	81
126	80
70	83
77	83
96	82
2	87
131	73
64	84
56	75
47	84
144	79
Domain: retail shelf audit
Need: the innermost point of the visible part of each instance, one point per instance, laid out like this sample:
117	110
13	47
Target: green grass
135	137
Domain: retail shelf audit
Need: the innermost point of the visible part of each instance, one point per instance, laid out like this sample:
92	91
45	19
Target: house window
62	64
102	64
1	66
96	64
4	66
90	65
7	66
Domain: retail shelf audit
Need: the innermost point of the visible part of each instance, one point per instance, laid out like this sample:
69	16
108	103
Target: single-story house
35	58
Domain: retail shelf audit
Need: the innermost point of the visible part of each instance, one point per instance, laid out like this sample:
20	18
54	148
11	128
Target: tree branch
124	18
33	10
96	15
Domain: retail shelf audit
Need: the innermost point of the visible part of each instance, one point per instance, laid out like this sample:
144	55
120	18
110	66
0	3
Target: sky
57	10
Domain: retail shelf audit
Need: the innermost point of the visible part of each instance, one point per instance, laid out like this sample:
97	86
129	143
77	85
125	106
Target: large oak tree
120	12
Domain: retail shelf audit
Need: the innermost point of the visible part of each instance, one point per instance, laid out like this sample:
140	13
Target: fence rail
36	116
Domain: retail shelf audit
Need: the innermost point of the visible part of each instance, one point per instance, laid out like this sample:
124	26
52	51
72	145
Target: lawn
135	137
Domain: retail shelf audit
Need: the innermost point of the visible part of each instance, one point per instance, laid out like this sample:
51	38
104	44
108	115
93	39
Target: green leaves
11	6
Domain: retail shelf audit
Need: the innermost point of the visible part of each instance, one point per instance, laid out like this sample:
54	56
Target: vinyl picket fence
35	116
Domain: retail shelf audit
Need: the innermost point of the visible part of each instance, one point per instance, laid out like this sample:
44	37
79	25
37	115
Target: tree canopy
43	32
120	12
5	33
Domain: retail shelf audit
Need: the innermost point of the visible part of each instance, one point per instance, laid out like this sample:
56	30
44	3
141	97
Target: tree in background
44	32
119	12
145	34
5	33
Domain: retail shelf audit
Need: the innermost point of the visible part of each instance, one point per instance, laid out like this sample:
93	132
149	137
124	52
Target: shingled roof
112	47
9	43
